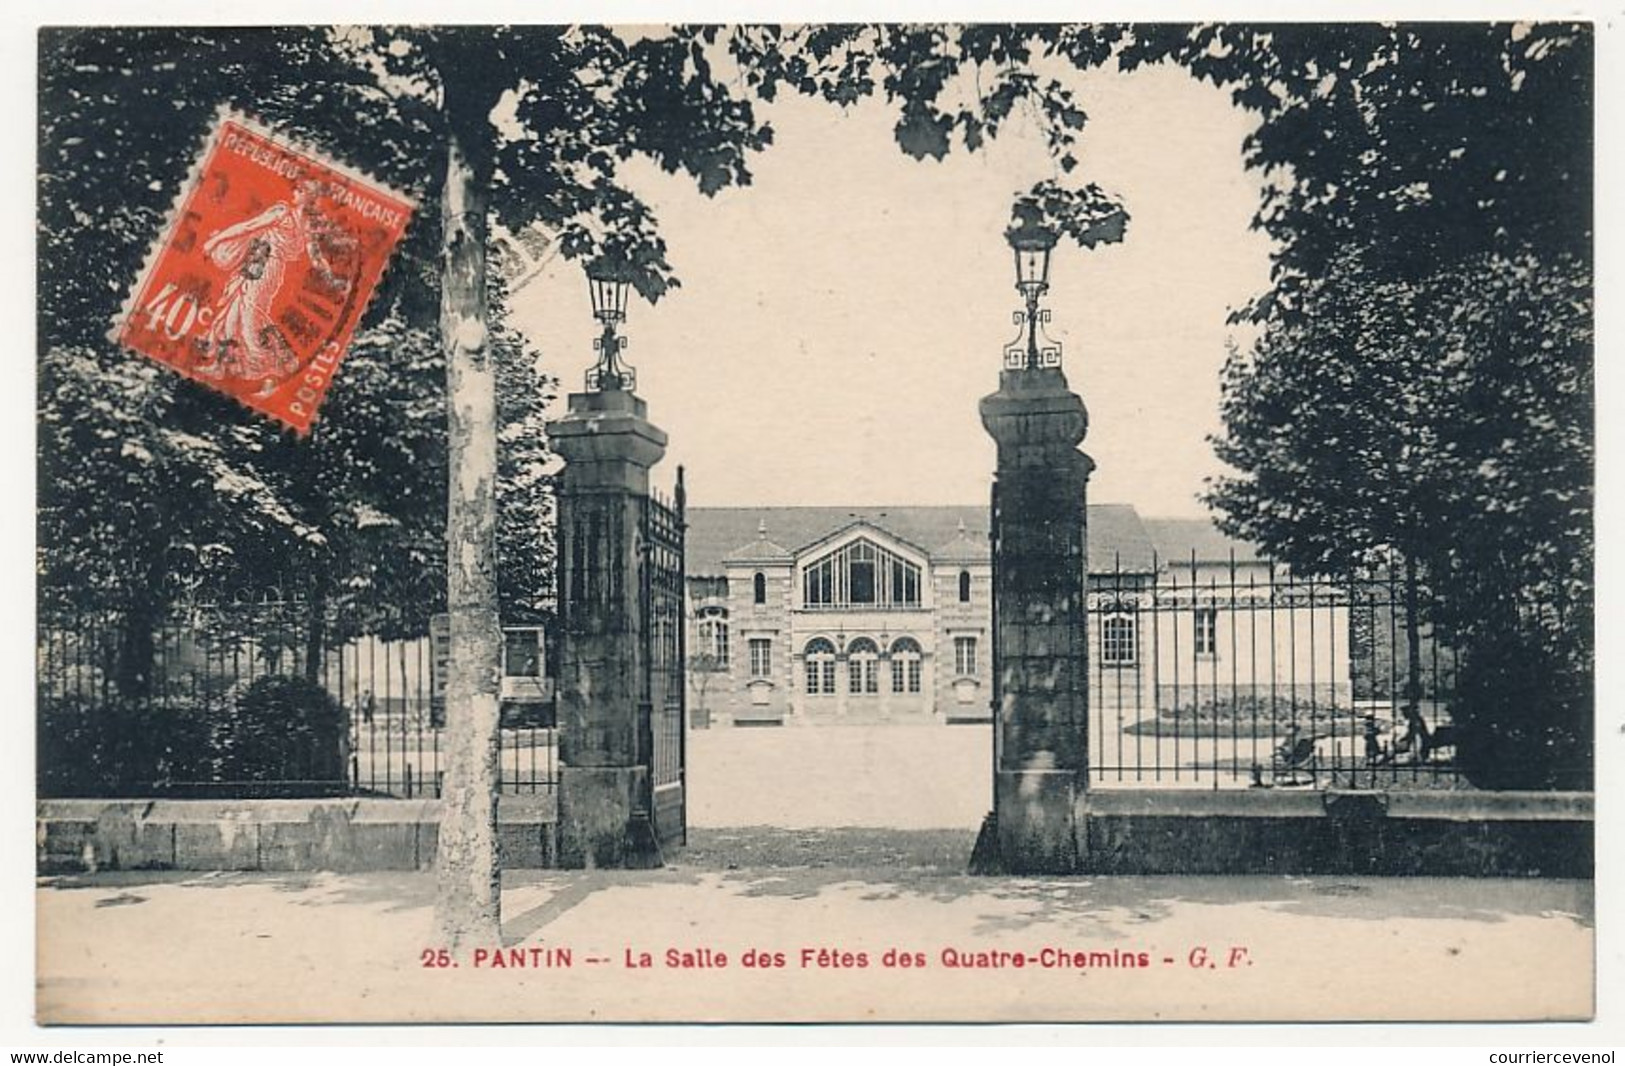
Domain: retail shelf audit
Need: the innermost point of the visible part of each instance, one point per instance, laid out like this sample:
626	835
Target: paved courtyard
902	777
909	777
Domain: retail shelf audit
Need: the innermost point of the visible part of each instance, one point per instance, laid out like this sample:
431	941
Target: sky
840	317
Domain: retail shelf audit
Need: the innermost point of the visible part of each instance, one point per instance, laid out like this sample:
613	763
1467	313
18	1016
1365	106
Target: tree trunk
131	743
468	901
316	633
136	658
137	650
1413	650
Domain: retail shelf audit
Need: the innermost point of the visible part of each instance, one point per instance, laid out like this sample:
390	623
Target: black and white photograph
823	521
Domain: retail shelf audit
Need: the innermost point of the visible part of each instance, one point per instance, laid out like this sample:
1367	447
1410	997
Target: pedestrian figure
1373	741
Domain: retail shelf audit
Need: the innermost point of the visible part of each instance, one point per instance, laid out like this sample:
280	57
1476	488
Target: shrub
278	728
1524	715
86	748
94	748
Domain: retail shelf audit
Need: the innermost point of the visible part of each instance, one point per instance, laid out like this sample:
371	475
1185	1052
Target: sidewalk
174	948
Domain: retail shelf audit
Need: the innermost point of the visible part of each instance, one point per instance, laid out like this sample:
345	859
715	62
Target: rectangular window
818	584
522	652
905	583
914	675
965	656
1207	631
1117	640
713	634
813	688
862	577
829	675
861	676
761	656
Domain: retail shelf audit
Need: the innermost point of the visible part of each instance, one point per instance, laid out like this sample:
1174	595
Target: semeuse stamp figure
256	254
258	280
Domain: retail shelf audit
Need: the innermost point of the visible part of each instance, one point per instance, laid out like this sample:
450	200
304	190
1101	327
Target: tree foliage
155	489
1423	380
1420	144
948	82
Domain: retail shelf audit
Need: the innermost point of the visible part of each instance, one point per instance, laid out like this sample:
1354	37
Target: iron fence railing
662	688
252	699
1238	673
1203	674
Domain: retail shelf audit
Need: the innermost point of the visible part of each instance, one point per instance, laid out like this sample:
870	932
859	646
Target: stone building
803	615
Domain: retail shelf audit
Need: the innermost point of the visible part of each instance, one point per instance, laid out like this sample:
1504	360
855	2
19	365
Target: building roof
716	534
761	550
1118	538
964	547
1176	540
839	533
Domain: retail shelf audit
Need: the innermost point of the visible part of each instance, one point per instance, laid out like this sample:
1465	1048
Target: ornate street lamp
608	282
1032	243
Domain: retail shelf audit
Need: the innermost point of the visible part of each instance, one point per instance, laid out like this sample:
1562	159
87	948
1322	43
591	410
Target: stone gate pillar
608	446
1040	635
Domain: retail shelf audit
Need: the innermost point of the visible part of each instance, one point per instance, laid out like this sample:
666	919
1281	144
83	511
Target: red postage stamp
260	278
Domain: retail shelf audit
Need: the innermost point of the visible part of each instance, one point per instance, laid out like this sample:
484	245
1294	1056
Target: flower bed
1247	714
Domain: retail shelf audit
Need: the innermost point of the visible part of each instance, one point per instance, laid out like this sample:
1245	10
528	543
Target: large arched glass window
862	662
860	574
713	634
905	665
820	665
759	588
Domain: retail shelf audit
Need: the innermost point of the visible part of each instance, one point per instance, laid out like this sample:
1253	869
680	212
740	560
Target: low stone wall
1433	833
1149	831
307	834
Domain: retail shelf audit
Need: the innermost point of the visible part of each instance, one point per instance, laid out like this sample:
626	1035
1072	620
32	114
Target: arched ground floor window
862	664
906	661
819	657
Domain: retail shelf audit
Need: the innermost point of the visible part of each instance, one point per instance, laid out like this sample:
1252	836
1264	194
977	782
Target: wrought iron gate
996	665
661	688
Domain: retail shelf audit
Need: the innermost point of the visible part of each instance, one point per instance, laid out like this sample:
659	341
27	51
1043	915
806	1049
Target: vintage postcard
860	522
